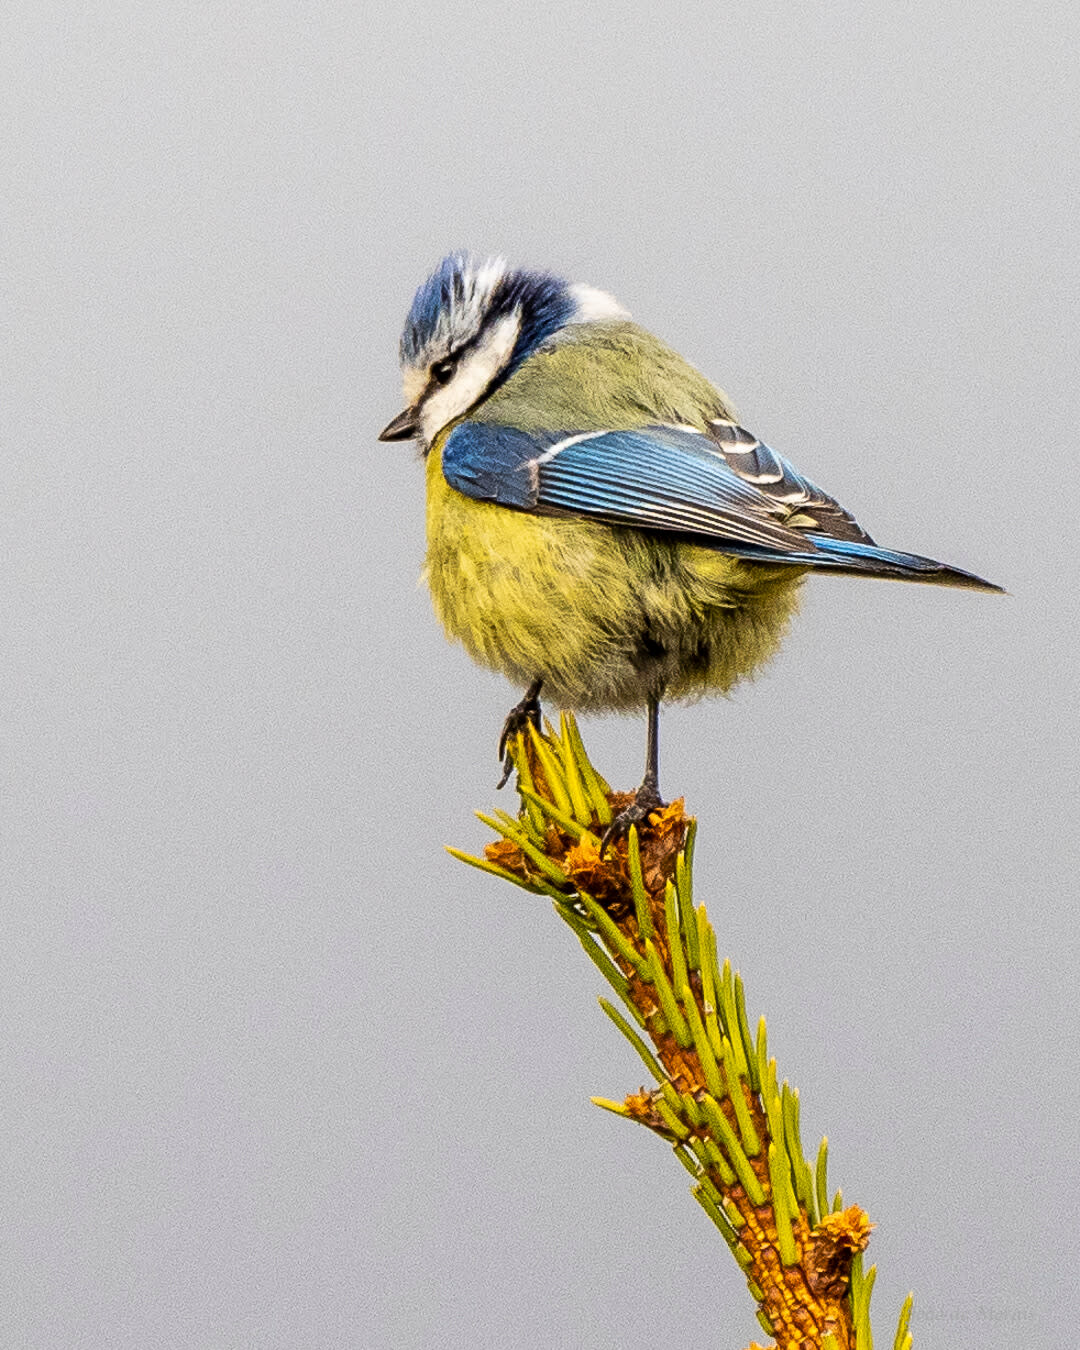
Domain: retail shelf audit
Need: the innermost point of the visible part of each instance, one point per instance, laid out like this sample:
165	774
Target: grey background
276	1072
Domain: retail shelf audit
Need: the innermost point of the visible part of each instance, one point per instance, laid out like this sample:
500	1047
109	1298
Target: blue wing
670	479
721	488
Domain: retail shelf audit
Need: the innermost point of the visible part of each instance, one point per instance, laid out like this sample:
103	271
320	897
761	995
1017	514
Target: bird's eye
442	371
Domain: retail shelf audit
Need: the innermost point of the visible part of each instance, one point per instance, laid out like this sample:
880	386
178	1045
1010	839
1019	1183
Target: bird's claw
647	799
518	720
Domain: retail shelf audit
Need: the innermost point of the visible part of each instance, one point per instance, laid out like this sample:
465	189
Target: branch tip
716	1098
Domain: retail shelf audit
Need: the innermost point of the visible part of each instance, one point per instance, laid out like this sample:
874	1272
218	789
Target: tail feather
850	557
842	555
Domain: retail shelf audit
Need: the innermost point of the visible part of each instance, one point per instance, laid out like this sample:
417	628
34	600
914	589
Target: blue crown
465	294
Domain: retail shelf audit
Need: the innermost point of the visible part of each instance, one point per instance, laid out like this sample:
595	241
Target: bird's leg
647	799
517	721
650	784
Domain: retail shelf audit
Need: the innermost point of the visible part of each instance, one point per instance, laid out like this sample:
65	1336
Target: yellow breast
606	616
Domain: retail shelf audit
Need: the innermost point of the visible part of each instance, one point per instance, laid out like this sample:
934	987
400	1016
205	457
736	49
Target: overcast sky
276	1071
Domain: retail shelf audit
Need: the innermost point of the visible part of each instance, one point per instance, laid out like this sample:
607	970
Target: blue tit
599	526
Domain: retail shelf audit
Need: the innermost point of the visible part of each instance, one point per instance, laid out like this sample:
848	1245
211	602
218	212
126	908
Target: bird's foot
647	799
518	719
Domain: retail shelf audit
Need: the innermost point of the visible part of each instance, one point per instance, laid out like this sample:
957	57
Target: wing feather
809	507
669	479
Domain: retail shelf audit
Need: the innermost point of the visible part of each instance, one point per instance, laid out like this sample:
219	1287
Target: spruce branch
716	1097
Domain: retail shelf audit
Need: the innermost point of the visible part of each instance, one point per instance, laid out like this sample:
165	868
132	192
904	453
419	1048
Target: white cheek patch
475	373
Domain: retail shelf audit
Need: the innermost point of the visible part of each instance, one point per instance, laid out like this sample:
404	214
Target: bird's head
471	324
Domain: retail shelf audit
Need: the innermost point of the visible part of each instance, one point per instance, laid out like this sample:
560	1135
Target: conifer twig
716	1098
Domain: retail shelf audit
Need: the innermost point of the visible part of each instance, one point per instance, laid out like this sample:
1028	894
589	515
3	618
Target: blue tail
860	559
844	556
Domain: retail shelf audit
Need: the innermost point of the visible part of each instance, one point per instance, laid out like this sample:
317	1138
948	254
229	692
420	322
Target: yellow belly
607	617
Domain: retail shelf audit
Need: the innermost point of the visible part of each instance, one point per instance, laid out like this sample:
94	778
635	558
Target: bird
600	527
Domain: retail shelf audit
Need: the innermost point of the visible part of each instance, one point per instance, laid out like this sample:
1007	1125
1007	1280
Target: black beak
404	427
